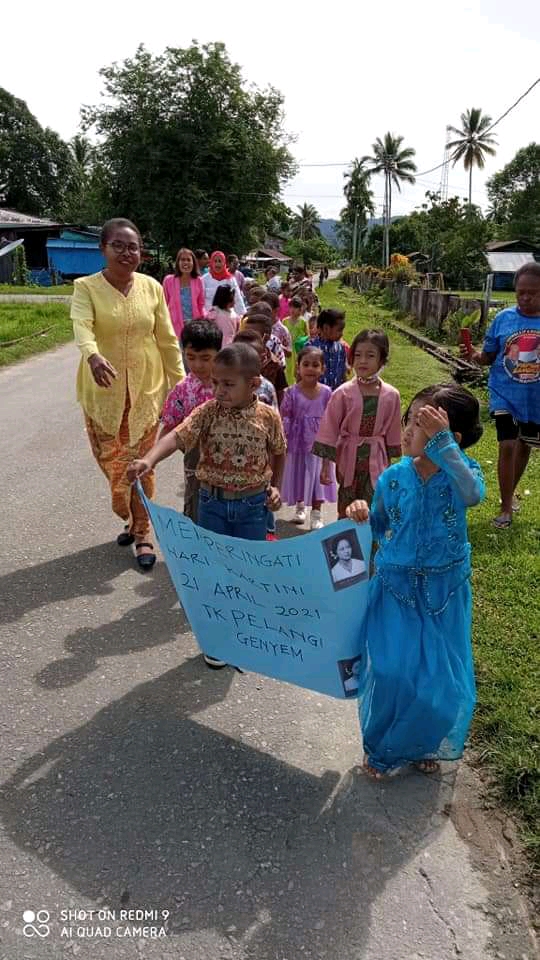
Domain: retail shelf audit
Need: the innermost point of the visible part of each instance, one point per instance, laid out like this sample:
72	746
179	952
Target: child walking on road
417	692
201	342
330	327
361	429
301	410
241	451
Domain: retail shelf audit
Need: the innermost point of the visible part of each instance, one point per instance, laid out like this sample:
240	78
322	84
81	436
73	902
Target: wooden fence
429	307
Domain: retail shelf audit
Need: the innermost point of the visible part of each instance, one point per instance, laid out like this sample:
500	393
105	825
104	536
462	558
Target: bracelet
438	437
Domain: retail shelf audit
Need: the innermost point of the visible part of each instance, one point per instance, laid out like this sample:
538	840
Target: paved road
134	778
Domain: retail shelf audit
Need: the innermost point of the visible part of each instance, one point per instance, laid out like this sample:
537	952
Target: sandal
146	560
516	504
126	538
427	766
503	521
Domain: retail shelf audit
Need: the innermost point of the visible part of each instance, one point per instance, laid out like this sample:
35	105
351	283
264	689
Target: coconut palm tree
359	199
397	166
305	224
82	152
473	142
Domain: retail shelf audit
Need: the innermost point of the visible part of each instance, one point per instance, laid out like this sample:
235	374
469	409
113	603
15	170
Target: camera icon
36	924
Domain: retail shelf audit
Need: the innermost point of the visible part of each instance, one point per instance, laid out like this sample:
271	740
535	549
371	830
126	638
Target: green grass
507	296
25	319
506	579
62	290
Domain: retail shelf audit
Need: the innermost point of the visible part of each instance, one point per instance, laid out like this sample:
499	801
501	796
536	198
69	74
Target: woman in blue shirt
512	351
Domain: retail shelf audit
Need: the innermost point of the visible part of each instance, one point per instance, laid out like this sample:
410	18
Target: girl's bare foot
427	766
372	772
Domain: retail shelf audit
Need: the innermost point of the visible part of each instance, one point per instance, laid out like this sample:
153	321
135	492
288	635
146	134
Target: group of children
251	439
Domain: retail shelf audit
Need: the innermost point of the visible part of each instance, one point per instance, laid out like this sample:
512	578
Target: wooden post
487	295
355	236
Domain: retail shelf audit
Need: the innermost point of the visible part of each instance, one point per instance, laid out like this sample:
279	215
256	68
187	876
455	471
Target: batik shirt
236	446
183	399
335	361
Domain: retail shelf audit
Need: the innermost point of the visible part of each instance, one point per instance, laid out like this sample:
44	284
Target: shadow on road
86	573
160	620
147	807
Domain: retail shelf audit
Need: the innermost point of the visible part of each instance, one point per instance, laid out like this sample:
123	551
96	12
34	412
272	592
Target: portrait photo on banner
349	676
345	560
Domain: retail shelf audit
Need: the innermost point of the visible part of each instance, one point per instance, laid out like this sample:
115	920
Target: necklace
372	379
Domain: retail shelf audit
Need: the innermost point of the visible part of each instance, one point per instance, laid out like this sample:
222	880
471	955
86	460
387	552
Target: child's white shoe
300	514
316	520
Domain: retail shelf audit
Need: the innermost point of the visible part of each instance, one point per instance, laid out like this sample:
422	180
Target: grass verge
506	578
62	290
25	322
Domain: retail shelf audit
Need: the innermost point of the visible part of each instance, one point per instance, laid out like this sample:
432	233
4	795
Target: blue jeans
270	521
244	518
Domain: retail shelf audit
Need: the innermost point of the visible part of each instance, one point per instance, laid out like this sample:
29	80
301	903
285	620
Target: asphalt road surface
231	808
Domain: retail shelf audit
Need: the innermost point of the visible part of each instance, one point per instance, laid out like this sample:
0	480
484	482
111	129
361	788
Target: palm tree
397	166
473	142
82	152
359	199
305	224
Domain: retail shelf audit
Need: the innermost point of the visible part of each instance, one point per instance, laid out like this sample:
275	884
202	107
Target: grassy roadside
506	565
62	290
45	327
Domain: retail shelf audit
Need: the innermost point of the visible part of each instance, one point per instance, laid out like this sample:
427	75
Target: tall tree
191	152
82	152
514	195
36	166
396	164
359	199
451	234
305	224
473	142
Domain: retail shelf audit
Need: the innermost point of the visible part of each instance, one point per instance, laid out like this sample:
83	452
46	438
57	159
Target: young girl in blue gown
417	690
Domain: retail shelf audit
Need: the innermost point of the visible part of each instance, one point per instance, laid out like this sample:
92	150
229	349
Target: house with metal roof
53	250
75	253
504	257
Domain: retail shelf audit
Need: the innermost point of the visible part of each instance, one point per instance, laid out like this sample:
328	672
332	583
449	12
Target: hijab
223	274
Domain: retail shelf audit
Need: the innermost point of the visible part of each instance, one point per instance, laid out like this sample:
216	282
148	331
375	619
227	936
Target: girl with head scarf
216	277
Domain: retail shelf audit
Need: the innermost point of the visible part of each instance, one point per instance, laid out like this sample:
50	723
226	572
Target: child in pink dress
361	428
223	315
302	408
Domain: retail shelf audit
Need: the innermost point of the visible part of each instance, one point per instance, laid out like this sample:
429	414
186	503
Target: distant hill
378	221
328	231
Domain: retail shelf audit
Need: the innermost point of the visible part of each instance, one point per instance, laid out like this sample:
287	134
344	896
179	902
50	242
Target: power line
439	165
506	112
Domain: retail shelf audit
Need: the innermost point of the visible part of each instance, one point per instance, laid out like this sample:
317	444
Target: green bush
21	276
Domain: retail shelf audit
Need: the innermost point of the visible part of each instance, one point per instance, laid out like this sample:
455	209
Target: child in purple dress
302	409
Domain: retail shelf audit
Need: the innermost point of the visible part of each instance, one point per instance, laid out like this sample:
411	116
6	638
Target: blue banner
290	609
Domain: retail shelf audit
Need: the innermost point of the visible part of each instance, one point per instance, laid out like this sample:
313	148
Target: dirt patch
496	851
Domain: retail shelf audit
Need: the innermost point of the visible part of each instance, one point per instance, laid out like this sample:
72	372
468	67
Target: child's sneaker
213	663
300	515
316	522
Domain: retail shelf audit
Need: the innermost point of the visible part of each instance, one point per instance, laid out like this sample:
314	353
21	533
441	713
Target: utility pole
355	236
386	226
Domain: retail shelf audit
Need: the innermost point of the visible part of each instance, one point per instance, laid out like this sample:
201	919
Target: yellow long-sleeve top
136	335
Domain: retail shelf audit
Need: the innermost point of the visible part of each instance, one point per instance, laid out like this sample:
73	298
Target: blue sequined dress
417	692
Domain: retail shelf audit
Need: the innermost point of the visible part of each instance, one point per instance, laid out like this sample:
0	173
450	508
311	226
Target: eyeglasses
120	247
